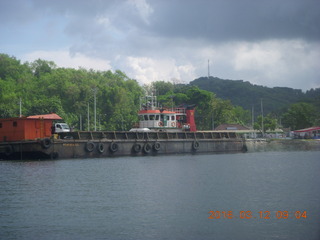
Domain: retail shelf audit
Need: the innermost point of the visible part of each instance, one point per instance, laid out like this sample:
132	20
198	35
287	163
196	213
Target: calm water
167	197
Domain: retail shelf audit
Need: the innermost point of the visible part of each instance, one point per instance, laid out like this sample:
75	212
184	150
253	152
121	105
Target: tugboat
160	131
157	118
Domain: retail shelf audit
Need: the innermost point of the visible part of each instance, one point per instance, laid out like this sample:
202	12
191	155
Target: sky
273	43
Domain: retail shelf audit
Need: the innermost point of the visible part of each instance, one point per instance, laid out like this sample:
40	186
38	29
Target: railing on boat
124	135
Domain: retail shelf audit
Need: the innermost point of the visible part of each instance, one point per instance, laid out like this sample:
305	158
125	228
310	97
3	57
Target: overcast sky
266	42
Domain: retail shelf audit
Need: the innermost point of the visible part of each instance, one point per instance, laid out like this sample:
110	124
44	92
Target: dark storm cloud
237	20
213	20
263	41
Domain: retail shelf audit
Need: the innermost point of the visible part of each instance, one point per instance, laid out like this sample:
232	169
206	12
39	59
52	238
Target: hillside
246	95
42	87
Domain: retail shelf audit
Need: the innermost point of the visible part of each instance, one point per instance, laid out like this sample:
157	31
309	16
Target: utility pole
95	108
80	125
20	110
88	118
99	123
212	121
208	68
262	127
252	116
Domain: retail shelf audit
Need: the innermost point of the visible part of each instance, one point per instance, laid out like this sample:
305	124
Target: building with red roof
312	132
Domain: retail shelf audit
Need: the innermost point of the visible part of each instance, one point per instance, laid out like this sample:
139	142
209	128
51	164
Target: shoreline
262	145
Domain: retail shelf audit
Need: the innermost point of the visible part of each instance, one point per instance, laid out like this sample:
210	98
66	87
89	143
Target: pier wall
261	145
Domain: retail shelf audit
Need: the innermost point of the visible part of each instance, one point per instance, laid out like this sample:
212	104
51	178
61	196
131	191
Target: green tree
41	67
300	115
162	87
269	123
241	116
44	88
222	112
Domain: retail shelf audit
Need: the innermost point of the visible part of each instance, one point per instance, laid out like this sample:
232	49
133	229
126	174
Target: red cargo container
27	128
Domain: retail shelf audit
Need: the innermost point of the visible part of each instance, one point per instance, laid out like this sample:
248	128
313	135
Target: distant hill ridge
246	95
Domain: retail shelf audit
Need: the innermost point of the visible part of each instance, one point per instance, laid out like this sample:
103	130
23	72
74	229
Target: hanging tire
156	146
90	146
195	145
46	143
136	147
113	147
100	148
8	150
147	148
54	155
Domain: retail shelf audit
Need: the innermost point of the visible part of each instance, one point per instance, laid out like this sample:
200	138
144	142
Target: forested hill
42	87
246	95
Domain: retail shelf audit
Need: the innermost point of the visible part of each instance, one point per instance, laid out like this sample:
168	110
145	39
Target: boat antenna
208	68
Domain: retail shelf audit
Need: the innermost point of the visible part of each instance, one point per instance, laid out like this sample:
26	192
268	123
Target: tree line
42	87
45	88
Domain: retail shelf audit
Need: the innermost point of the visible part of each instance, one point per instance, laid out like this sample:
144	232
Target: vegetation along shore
42	87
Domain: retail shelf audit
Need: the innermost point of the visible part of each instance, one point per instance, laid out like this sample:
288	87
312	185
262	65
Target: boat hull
116	144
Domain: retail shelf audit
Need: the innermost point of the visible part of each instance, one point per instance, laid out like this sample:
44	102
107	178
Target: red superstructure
190	119
27	128
154	117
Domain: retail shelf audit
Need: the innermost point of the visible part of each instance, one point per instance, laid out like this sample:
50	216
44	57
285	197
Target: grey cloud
16	12
184	32
237	20
213	20
205	20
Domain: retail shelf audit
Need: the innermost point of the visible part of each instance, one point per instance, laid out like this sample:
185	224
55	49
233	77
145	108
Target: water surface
165	197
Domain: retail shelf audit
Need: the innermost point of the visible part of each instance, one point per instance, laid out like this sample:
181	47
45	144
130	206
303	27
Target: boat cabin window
15	124
172	117
150	117
0	125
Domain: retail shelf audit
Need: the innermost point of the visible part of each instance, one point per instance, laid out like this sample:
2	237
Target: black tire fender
136	147
90	146
54	155
8	150
147	148
195	145
46	143
100	147
113	147
156	146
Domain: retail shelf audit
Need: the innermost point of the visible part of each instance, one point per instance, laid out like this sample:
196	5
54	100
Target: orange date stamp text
257	215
